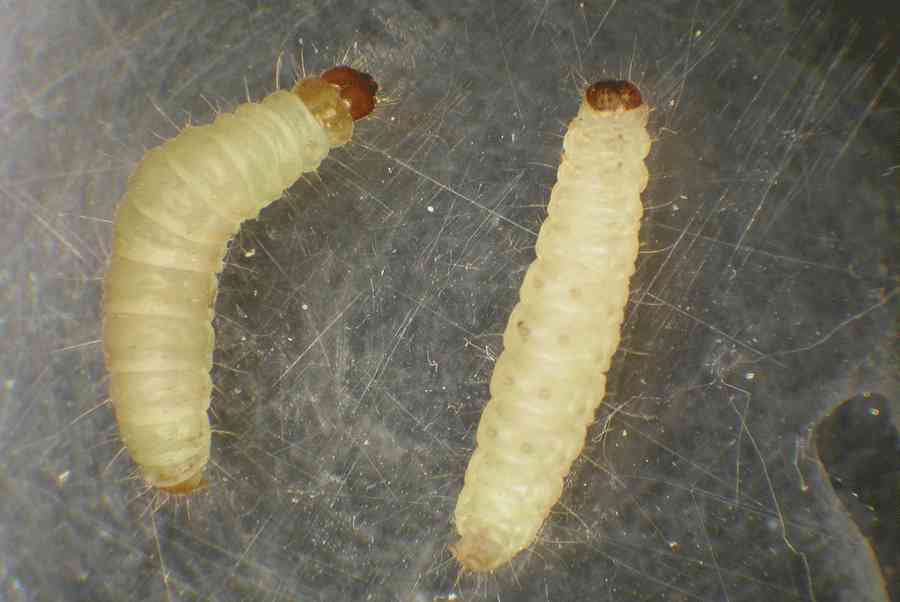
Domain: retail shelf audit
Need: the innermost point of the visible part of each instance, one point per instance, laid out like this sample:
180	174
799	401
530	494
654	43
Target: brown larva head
613	95
356	87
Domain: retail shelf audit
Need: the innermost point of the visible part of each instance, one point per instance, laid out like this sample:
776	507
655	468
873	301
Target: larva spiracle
561	336
184	202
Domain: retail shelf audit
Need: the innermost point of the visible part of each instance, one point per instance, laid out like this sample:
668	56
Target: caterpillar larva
562	334
184	202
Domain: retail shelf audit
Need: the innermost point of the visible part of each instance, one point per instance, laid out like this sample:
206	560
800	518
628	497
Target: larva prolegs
184	202
561	336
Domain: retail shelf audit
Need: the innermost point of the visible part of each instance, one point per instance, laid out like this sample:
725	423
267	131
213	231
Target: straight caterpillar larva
184	202
561	336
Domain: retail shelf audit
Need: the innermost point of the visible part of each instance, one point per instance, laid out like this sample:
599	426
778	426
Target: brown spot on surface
613	95
357	88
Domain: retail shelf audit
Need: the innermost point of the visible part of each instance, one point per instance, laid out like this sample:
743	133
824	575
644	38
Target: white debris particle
62	477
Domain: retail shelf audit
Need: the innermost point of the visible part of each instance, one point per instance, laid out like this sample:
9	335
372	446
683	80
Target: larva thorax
184	202
562	334
338	98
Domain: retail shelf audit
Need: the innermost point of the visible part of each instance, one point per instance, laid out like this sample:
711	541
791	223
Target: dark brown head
613	95
357	88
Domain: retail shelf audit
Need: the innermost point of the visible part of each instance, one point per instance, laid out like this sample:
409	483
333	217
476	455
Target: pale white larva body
561	336
184	202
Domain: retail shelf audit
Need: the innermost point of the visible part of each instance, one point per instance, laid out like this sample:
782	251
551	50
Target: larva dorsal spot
184	202
561	335
523	329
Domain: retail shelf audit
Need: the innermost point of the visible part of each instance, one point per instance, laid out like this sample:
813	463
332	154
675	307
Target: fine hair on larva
184	202
562	334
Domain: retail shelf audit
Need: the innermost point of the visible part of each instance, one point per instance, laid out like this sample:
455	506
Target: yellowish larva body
561	336
184	202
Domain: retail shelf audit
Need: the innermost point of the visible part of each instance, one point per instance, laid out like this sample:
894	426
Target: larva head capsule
338	98
357	88
613	95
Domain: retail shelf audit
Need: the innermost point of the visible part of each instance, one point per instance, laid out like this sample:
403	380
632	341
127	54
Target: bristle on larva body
561	336
183	204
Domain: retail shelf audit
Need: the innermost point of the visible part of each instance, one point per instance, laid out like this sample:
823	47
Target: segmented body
561	336
184	202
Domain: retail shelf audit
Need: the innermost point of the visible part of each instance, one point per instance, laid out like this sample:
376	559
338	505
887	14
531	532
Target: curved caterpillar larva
184	202
562	334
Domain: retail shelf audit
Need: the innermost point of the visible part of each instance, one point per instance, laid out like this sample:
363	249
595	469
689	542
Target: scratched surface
359	317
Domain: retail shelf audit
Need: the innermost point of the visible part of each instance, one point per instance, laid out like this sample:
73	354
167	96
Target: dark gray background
359	317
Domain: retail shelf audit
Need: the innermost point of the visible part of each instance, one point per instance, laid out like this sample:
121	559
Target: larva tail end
356	87
478	554
613	95
192	485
